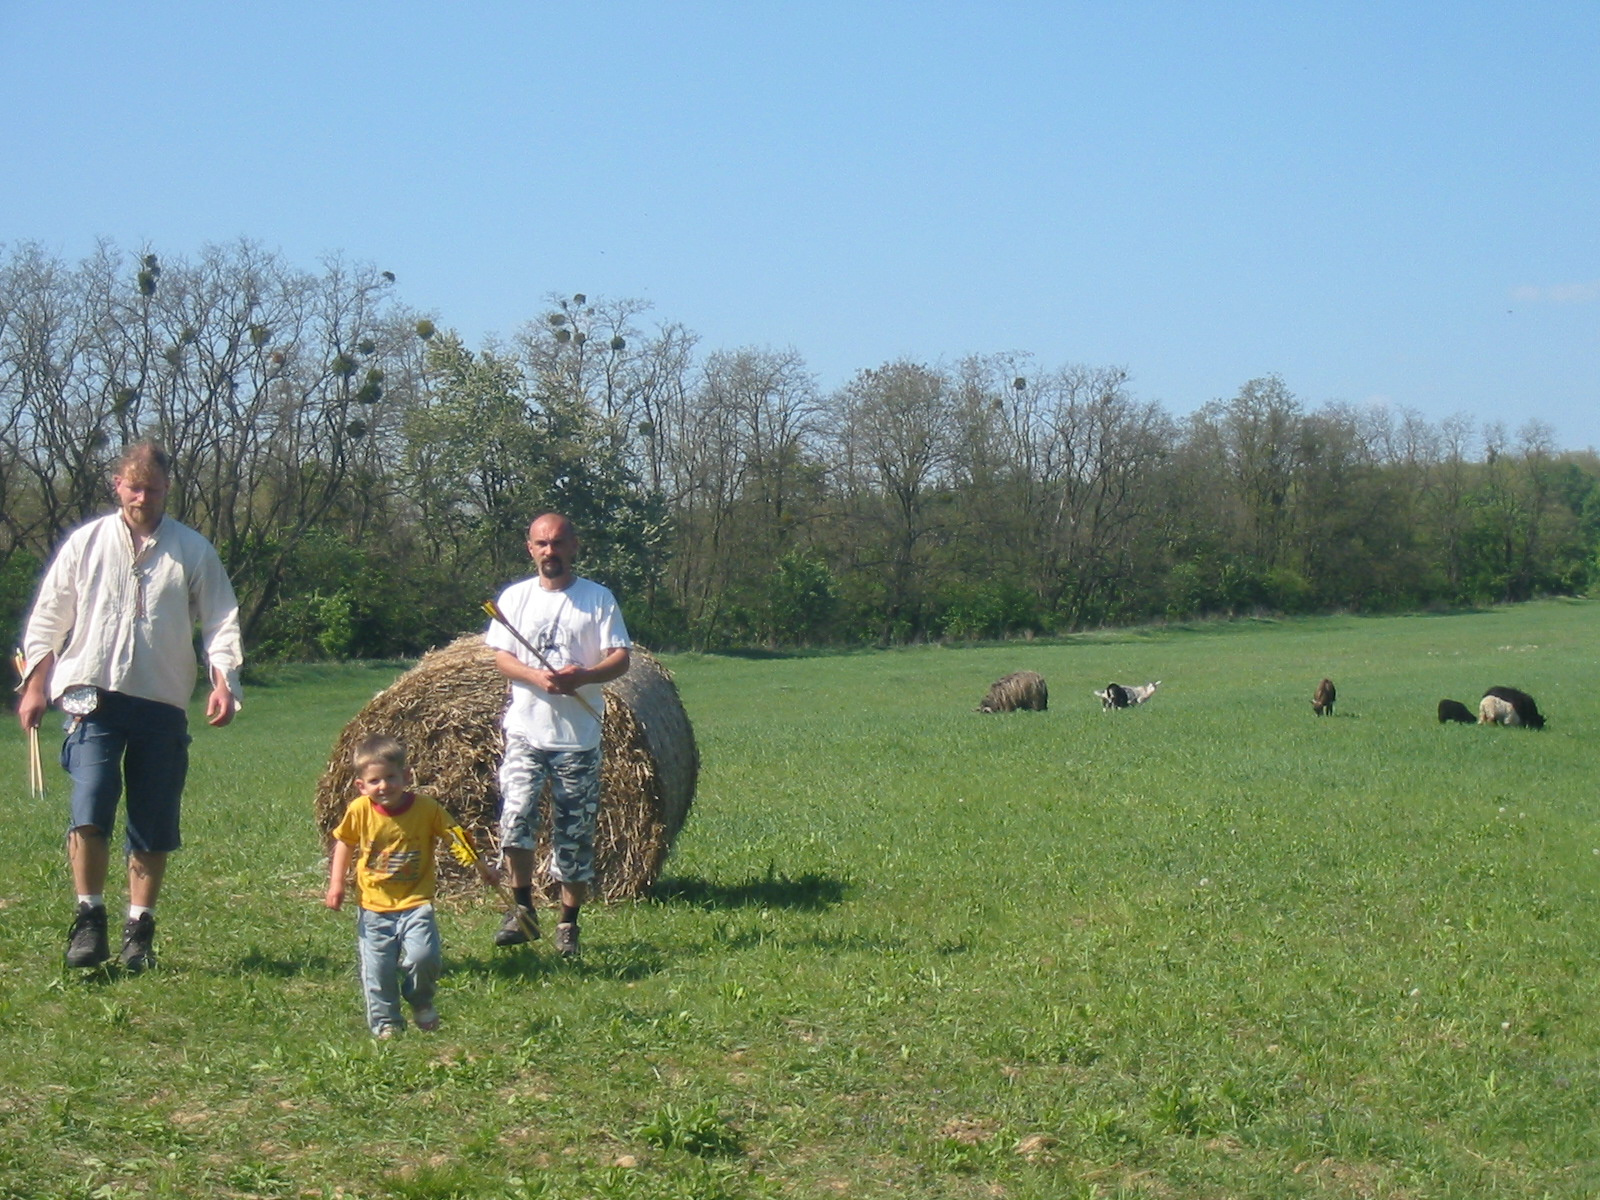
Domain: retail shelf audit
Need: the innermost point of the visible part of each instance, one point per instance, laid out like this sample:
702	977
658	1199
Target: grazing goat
1020	689
1116	695
1322	702
1454	710
1508	706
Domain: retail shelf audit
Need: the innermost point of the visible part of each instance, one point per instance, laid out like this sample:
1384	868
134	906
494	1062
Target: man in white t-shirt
552	725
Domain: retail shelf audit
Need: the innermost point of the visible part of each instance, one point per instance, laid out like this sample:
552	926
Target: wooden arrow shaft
493	610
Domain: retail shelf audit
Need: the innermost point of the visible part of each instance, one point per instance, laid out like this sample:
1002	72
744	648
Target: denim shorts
129	743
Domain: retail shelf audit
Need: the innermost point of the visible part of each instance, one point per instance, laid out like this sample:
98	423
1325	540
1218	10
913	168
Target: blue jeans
399	955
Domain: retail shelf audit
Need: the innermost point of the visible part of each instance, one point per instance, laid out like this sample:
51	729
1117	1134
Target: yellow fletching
461	847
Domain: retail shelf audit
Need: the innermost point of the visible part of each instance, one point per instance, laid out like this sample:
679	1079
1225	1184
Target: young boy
397	938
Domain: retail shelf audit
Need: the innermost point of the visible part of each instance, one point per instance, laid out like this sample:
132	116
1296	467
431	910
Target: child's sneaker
427	1019
387	1032
86	940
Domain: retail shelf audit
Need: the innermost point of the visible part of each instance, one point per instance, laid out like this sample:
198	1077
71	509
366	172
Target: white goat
1117	695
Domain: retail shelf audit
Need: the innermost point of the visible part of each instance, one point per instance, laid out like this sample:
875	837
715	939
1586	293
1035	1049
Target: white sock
135	911
95	901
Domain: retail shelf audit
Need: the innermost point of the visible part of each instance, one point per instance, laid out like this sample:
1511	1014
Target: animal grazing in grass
1509	706
1454	710
1322	701
1020	689
1116	695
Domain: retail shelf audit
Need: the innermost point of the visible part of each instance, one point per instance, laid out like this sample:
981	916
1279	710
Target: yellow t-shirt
394	854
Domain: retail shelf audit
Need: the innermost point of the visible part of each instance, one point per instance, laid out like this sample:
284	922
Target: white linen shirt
125	622
578	624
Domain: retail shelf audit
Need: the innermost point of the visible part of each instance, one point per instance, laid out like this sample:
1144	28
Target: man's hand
220	706
565	681
35	698
568	679
562	682
31	708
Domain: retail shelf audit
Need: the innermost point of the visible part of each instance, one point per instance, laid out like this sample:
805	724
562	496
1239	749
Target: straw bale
447	709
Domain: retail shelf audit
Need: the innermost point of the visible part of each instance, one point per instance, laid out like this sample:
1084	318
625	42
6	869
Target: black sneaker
567	939
86	940
521	925
137	935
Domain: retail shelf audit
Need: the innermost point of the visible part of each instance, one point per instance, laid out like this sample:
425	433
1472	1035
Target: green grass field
1213	947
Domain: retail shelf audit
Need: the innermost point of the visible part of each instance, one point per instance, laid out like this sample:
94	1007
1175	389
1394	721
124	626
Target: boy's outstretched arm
464	849
338	872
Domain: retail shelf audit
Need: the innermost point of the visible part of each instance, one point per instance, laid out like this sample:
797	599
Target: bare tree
1101	457
893	433
264	382
585	350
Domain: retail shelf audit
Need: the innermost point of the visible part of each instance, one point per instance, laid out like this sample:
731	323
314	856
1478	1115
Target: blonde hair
379	748
141	458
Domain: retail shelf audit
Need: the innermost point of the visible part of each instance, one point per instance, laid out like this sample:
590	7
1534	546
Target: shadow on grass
810	943
810	892
621	961
255	962
93	978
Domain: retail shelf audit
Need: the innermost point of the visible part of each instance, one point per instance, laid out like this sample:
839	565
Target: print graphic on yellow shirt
394	866
394	857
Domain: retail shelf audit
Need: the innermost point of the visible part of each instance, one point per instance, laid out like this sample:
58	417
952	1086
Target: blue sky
1382	203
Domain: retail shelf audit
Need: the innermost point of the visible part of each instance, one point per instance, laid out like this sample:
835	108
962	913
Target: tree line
368	477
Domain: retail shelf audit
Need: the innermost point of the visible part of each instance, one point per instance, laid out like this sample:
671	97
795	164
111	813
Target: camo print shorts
574	778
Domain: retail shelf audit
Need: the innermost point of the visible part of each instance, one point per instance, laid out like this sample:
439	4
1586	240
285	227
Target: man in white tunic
552	722
110	640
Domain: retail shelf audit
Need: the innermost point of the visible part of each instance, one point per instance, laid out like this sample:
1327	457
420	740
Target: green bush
19	576
802	599
988	609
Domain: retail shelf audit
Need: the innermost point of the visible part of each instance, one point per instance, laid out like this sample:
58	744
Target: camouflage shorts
574	778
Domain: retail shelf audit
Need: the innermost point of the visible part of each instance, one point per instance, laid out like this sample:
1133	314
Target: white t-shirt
580	624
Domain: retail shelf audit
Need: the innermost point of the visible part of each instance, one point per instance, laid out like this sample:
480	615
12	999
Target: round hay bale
447	709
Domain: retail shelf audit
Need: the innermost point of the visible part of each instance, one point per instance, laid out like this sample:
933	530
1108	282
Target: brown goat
1019	690
1322	702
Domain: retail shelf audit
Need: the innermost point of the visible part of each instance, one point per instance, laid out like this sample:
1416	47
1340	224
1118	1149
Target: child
397	937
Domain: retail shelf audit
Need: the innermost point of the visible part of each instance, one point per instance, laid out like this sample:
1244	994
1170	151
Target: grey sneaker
86	940
567	939
521	925
137	936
